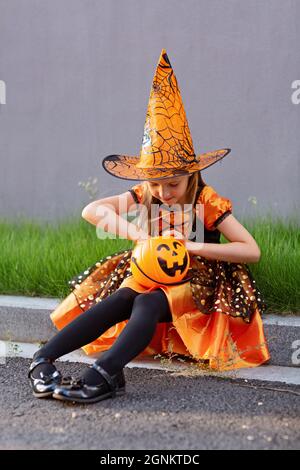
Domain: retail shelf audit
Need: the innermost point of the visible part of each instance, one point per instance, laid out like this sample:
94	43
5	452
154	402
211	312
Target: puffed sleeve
137	192
215	207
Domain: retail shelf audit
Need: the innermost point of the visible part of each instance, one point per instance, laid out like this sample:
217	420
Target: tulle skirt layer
216	316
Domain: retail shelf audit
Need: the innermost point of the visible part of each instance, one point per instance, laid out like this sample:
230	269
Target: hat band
179	163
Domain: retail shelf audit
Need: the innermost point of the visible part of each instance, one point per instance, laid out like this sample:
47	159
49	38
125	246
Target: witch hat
167	148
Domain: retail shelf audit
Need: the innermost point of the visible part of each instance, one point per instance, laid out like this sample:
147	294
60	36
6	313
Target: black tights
143	311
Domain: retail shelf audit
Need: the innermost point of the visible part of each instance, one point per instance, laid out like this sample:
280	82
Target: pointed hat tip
163	53
164	56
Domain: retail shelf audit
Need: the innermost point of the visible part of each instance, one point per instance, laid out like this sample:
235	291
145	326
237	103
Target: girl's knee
154	302
126	294
142	300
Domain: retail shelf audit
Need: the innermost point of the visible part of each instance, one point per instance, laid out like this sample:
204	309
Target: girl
214	315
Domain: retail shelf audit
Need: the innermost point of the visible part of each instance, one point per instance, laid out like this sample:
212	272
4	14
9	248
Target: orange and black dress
216	316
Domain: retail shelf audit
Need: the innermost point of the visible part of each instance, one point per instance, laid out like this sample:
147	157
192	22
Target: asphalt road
160	410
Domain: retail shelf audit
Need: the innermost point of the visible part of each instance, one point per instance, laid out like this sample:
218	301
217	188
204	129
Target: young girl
214	315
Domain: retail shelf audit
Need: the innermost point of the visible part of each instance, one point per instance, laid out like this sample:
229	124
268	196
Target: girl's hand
141	236
190	246
174	233
194	248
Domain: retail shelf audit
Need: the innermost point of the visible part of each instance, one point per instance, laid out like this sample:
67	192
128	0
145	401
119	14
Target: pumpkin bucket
160	261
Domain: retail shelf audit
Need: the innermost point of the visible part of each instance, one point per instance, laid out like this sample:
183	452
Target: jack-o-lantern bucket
159	261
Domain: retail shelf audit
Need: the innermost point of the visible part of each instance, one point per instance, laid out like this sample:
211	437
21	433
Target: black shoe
80	392
44	386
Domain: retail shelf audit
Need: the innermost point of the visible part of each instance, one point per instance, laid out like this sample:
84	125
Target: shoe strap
37	362
109	379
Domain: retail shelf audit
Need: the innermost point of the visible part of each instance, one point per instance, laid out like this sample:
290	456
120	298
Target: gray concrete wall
78	76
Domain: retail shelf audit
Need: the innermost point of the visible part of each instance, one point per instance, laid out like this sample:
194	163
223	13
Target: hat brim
124	166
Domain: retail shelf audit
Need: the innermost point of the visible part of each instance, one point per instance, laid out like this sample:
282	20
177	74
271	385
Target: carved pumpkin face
172	257
160	261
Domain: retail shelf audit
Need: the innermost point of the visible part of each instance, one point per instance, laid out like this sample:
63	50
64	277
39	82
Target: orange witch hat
167	147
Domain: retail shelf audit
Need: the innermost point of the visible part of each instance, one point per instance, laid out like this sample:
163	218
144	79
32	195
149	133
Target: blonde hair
195	179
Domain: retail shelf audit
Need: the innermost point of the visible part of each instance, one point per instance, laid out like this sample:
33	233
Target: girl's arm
105	213
242	249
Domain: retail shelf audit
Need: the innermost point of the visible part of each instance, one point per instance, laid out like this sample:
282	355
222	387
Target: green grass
278	272
37	259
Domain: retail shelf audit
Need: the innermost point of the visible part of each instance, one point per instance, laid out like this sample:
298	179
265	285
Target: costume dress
216	315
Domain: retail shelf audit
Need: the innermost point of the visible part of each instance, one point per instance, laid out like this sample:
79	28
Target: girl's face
169	190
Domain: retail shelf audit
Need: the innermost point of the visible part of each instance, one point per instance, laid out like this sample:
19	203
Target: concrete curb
26	319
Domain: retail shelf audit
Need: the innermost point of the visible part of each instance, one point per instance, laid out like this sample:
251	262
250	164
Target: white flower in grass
253	200
90	186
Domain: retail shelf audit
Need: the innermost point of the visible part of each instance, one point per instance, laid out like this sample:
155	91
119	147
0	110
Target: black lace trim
222	217
134	195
